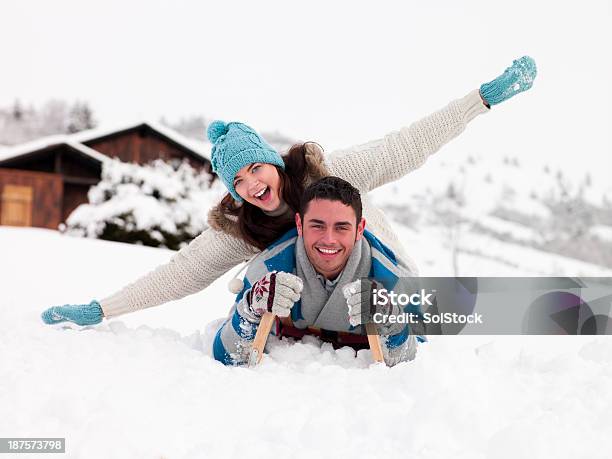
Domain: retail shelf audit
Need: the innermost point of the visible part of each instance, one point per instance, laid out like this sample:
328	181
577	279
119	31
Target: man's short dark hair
333	189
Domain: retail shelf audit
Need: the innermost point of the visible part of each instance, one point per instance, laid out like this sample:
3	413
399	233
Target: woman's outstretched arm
193	268
385	160
190	270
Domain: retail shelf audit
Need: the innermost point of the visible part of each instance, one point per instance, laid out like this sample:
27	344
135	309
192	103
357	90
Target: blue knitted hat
236	145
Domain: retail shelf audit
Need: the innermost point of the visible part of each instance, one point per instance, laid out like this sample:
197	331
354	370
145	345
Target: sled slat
374	341
259	343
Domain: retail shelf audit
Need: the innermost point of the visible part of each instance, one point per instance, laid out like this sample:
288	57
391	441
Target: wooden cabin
43	181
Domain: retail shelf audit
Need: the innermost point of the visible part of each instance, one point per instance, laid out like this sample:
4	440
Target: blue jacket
232	342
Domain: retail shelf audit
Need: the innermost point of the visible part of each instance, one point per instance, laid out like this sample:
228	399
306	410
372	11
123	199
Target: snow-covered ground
144	385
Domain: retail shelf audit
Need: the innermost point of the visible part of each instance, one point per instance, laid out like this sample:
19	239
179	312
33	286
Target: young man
311	280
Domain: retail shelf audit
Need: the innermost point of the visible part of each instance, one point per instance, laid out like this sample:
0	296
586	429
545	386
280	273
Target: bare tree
447	210
80	118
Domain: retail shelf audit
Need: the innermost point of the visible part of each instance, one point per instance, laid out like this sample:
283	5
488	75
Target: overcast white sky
333	71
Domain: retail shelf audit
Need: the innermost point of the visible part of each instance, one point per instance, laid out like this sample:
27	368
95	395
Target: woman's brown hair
259	229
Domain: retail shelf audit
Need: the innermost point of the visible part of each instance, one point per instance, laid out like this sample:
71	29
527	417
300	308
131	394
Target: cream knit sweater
366	166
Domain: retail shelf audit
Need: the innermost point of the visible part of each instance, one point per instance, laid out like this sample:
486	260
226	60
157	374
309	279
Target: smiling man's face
330	231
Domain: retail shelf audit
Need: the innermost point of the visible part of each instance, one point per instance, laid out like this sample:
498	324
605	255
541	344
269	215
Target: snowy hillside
496	205
144	384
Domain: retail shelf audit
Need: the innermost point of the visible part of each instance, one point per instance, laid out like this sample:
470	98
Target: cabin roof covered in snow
201	148
77	141
49	142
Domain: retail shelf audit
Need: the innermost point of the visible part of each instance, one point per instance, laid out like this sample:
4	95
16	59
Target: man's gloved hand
354	293
276	292
515	79
80	314
360	293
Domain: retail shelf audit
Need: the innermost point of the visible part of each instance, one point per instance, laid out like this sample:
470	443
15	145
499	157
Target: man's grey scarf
319	308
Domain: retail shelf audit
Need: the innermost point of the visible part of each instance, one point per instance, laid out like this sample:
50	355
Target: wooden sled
265	326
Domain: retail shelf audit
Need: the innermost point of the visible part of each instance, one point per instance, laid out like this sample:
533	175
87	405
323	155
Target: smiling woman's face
259	184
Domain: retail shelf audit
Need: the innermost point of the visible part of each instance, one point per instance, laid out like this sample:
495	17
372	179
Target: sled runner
265	326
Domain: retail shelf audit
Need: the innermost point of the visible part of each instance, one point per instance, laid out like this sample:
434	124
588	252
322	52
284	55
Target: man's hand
354	293
276	292
360	292
80	314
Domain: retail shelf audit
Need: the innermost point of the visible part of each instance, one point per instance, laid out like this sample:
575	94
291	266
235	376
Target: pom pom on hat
216	129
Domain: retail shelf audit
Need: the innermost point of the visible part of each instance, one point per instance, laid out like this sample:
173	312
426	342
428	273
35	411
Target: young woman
265	188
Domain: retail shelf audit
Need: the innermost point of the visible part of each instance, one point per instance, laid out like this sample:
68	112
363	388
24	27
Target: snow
516	230
145	385
482	255
603	232
515	198
491	178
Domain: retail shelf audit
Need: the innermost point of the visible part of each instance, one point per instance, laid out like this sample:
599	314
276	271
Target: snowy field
145	386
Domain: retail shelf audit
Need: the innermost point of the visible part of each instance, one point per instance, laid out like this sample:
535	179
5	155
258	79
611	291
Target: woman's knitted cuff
472	105
114	305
